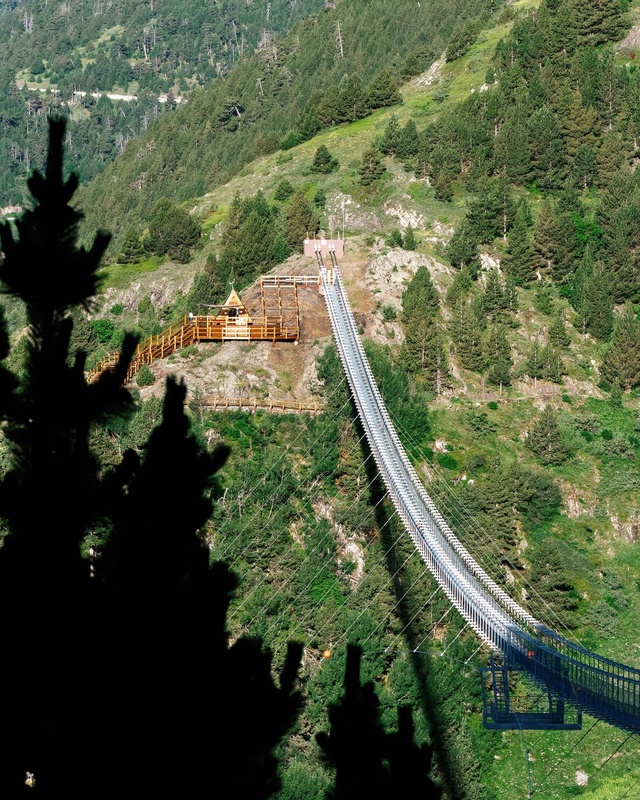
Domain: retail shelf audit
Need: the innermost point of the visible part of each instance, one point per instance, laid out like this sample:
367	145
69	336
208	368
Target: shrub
479	422
145	376
103	329
389	313
283	190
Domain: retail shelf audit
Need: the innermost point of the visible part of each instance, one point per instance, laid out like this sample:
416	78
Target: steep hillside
247	114
142	59
510	365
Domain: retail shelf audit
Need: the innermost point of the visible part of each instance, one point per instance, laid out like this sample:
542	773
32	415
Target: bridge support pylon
532	709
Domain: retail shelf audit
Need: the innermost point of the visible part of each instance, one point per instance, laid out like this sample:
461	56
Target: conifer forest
207	588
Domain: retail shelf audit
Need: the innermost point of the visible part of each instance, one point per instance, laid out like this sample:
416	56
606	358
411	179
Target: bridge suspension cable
604	688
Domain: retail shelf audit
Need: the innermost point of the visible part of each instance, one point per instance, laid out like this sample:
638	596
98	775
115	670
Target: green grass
556	757
214	218
119	276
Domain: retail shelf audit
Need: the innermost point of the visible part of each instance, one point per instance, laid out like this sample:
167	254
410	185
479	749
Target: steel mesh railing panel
602	687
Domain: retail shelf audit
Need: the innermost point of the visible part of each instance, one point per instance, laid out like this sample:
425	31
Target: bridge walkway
602	687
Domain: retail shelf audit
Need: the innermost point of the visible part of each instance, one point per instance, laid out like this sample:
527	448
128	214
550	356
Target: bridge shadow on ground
452	782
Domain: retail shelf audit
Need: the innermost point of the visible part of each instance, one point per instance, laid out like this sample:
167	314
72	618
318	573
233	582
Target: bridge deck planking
602	687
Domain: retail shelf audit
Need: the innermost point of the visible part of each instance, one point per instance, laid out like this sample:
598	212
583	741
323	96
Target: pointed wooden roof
233	301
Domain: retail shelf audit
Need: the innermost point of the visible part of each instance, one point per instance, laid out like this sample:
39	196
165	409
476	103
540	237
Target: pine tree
550	570
467	336
408	141
395	238
534	364
558	335
597	22
283	190
594	301
150	616
519	261
442	186
462	283
510	296
248	240
423	352
567	253
545	440
420	297
131	249
611	156
548	154
352	99
462	36
323	162
499	357
493	296
546	235
301	220
619	240
512	151
383	90
553	368
371	168
391	136
462	250
309	126
172	231
584	167
491	211
622	360
498	504
410	241
580	124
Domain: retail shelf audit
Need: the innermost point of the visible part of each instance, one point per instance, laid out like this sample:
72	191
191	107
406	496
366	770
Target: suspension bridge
603	688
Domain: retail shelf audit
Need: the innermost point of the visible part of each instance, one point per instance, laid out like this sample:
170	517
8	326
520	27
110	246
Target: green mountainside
300	83
151	53
491	210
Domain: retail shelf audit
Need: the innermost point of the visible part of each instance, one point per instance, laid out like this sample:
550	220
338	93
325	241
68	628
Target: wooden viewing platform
279	322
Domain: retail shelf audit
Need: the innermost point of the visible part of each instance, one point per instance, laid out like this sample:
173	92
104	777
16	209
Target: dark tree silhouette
369	762
117	675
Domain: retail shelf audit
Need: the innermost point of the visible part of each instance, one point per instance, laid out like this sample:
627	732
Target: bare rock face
629	530
632	40
406	217
433	73
581	778
343	212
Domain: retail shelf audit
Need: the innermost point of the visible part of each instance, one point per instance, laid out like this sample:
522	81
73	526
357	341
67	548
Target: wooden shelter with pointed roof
234	309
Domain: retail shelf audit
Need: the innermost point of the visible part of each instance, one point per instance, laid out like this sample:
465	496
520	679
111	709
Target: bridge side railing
476	605
430	509
604	688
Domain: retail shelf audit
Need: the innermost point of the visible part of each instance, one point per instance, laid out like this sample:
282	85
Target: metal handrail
604	688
